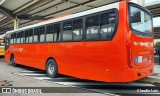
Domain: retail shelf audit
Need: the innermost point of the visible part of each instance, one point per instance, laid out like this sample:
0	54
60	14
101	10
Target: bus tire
51	68
13	61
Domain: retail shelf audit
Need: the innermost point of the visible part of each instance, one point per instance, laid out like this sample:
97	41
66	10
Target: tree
158	45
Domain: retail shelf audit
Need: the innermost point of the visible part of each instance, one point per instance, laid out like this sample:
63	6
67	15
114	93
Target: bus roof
98	9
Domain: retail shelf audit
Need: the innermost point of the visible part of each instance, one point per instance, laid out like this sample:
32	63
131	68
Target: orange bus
111	43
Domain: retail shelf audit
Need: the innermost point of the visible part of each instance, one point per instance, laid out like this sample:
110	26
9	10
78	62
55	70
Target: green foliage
158	45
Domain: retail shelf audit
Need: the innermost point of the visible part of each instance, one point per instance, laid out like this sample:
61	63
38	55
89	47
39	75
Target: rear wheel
51	68
13	61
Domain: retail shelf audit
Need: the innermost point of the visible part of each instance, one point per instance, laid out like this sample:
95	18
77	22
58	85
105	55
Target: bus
1	45
111	43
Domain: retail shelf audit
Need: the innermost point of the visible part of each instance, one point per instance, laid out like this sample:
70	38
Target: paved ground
29	77
156	60
157	69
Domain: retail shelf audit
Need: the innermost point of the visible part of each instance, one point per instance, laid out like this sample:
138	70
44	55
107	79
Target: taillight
129	51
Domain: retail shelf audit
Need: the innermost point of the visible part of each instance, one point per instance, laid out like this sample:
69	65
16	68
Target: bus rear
140	41
1	46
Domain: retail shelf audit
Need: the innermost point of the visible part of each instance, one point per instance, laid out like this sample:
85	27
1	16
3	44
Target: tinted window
26	36
67	31
49	33
7	40
30	37
77	30
42	34
21	37
18	37
36	35
15	36
108	23
57	30
92	27
12	38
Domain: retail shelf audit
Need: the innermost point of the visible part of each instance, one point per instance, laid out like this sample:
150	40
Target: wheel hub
51	68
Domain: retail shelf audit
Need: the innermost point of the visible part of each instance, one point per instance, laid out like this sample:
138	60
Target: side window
92	27
21	37
30	36
15	36
57	30
49	33
26	36
7	40
42	34
36	35
12	38
77	30
108	23
67	31
18	37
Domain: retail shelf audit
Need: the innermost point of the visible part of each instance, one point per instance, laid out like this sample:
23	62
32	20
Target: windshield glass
1	42
141	21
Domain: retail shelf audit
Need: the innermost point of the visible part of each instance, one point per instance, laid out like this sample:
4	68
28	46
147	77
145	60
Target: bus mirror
136	17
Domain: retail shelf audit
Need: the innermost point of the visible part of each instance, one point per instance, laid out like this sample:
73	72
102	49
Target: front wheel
13	61
51	68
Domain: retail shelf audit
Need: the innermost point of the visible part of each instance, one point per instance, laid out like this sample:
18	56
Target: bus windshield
140	21
1	42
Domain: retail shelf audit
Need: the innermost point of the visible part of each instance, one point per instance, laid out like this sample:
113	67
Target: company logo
6	90
5	83
145	44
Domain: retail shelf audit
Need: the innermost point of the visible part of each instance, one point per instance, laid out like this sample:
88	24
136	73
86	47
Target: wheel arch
11	56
